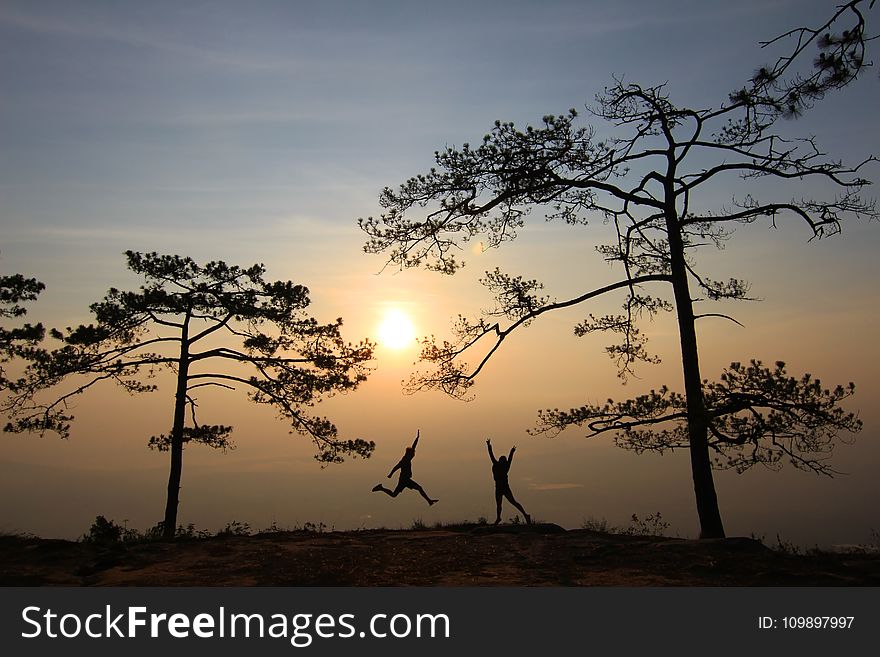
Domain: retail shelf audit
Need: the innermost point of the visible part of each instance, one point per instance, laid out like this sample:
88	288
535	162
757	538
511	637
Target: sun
396	330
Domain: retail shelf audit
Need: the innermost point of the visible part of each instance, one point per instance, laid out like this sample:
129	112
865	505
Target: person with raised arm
500	468
405	480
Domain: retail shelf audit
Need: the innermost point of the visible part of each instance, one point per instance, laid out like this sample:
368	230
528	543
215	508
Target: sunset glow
274	133
396	330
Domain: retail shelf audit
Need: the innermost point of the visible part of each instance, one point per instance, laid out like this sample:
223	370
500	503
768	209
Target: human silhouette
406	480
500	468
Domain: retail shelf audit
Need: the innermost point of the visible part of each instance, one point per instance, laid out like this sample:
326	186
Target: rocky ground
468	555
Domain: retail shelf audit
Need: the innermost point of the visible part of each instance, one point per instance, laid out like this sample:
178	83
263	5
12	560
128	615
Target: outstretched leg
498	495
509	495
388	491
422	492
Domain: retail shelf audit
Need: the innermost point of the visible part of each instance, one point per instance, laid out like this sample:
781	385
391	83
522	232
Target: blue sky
204	113
260	131
157	124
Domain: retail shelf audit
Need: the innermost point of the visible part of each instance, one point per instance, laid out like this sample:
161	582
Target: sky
261	131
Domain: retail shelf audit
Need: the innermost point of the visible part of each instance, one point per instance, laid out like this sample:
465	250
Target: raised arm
491	453
510	458
416	441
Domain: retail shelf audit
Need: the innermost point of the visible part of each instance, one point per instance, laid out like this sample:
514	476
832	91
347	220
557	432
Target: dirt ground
470	555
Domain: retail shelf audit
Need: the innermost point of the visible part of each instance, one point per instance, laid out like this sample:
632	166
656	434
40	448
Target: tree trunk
698	421
169	526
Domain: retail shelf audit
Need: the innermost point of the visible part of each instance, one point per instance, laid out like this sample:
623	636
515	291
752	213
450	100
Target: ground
467	555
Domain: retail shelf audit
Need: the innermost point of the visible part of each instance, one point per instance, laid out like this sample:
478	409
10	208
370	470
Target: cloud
553	486
288	45
128	29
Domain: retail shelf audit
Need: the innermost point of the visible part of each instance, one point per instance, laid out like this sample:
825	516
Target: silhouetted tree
213	325
645	184
756	415
19	341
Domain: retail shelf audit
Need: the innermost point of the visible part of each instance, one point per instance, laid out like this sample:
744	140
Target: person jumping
406	480
500	468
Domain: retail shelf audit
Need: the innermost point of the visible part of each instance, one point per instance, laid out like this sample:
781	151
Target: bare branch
728	317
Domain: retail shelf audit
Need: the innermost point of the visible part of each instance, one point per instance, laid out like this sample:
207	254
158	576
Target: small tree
645	184
20	341
213	325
